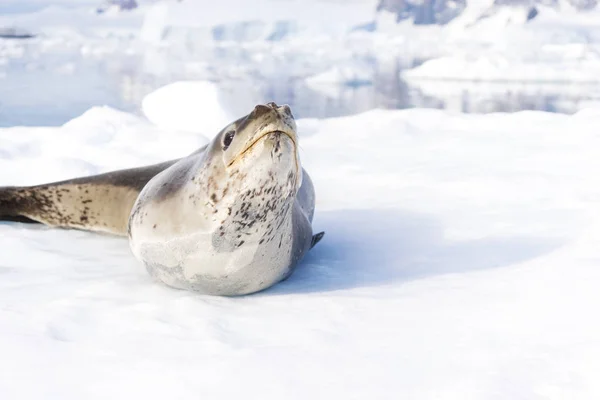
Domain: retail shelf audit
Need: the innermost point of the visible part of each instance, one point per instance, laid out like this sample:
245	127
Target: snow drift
188	106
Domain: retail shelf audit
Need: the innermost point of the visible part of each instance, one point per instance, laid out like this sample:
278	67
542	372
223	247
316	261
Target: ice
459	262
554	47
495	69
155	23
346	75
273	17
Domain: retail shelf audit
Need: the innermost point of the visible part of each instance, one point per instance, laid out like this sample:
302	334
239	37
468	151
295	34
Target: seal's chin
264	136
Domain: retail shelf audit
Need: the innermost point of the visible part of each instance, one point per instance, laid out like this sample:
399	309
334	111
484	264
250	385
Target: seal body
232	218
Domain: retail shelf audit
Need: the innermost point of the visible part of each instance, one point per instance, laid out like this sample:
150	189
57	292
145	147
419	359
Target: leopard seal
232	218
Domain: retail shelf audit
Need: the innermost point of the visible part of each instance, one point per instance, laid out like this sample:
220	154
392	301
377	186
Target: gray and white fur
232	218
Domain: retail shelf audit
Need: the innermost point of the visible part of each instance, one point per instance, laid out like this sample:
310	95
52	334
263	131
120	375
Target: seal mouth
255	141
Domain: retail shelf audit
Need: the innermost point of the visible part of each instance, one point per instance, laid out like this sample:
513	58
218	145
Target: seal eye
228	139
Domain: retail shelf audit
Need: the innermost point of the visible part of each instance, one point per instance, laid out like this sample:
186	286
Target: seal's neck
256	214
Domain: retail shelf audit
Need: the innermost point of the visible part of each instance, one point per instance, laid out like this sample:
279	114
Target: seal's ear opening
316	239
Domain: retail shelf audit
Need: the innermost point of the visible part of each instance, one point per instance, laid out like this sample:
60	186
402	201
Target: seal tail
100	203
83	205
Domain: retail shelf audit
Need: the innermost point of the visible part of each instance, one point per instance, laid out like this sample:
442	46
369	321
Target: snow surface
460	262
189	106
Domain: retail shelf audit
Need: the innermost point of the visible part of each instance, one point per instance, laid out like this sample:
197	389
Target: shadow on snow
364	248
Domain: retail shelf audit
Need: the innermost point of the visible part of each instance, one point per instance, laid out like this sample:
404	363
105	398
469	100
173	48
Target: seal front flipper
316	239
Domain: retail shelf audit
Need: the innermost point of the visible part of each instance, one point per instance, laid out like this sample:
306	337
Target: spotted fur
99	203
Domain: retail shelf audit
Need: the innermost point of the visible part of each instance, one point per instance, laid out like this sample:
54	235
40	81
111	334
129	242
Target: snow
554	47
99	140
188	106
460	261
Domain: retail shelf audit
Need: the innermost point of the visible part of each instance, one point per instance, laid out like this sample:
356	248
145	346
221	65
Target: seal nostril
260	110
287	110
272	105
